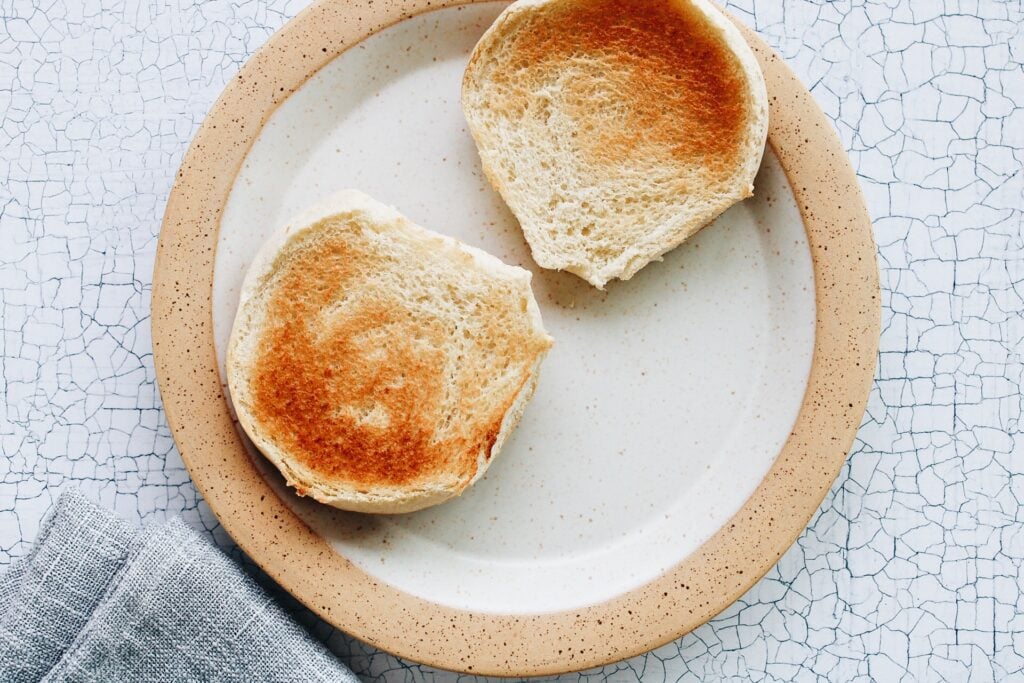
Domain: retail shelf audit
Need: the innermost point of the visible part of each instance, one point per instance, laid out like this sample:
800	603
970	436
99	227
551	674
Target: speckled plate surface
686	425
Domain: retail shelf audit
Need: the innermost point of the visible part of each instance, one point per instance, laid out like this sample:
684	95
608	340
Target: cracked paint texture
911	569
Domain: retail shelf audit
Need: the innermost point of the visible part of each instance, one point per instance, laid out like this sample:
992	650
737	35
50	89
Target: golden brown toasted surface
654	68
361	386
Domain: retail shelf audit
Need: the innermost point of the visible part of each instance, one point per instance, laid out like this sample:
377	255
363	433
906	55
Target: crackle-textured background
911	570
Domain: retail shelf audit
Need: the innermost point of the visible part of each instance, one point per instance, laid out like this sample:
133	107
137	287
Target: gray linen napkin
98	601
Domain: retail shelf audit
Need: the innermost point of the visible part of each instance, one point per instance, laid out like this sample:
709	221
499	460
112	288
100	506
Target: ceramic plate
687	422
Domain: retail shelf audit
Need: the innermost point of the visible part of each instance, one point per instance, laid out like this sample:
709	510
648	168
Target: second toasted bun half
378	365
615	129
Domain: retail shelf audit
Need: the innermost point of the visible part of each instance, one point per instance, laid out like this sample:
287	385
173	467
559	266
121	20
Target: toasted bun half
615	129
378	365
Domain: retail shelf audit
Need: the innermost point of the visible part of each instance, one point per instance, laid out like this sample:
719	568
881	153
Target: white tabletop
913	565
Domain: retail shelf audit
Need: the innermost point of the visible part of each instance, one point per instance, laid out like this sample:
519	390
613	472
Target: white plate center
663	403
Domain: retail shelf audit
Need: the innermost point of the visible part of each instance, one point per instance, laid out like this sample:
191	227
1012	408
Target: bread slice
378	365
615	129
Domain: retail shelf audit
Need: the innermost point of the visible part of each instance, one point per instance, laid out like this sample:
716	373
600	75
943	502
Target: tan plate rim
846	344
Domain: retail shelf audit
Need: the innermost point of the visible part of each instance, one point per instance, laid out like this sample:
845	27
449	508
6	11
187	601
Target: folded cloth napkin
96	600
